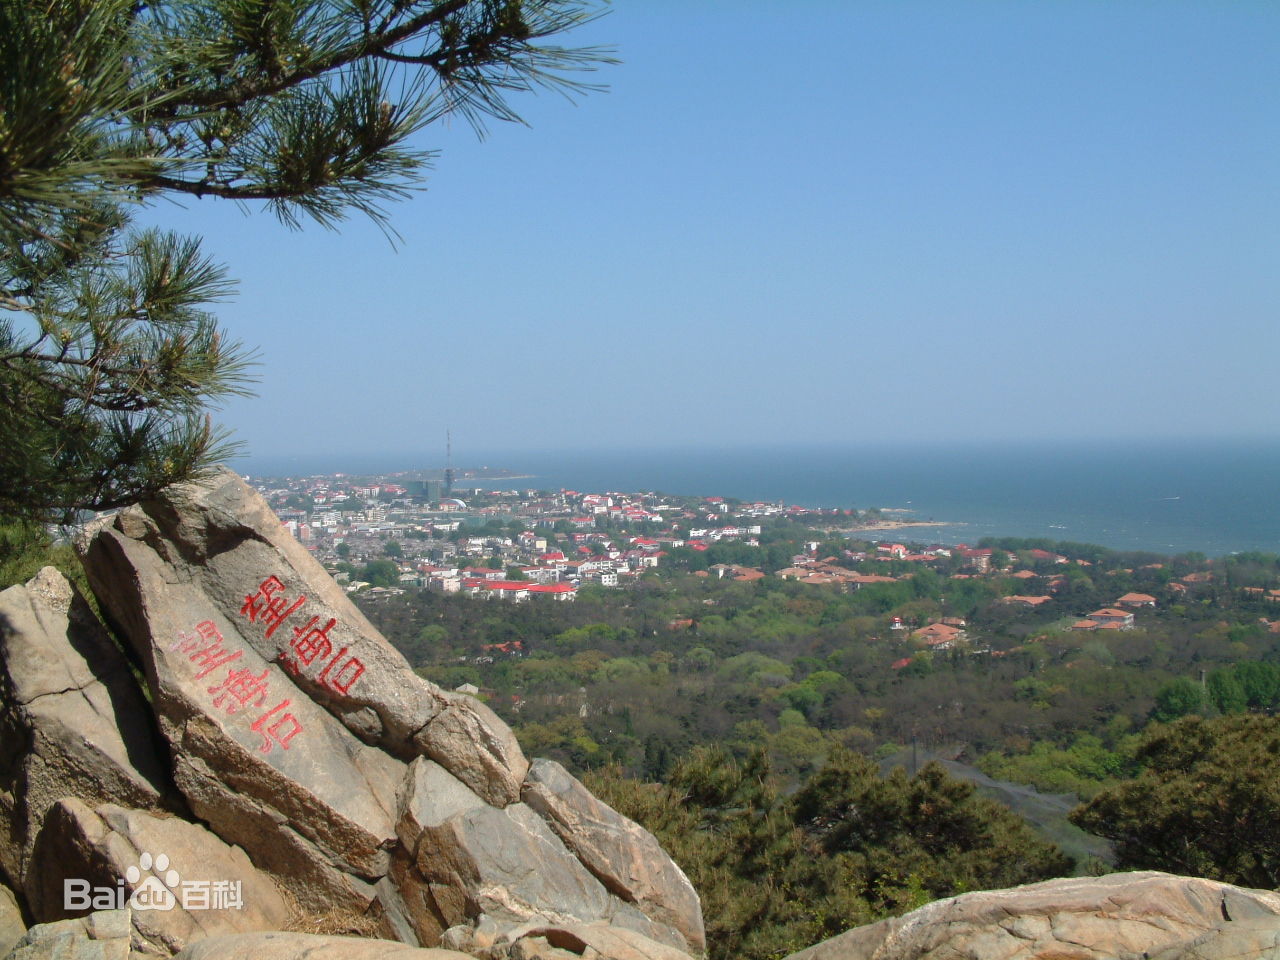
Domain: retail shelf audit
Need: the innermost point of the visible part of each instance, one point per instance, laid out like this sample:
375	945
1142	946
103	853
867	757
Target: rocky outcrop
72	719
221	539
105	935
297	732
530	942
183	883
12	929
1122	916
620	853
308	946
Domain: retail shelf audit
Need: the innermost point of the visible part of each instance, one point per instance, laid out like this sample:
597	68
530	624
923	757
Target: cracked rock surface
295	731
73	721
1122	916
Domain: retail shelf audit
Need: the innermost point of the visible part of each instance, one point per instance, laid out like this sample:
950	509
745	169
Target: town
382	535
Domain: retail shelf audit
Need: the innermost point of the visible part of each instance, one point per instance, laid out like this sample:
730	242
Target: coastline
876	526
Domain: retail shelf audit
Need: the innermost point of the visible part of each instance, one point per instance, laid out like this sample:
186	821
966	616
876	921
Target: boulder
1234	940
470	859
297	732
620	853
73	722
12	928
182	883
604	942
221	537
1122	916
267	767
307	946
99	936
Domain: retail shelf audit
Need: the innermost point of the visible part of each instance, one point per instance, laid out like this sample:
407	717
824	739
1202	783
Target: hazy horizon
918	221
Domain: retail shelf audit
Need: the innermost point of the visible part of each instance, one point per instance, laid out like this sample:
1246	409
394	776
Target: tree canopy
1206	802
109	356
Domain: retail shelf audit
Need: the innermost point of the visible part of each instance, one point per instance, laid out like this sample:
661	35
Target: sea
1214	497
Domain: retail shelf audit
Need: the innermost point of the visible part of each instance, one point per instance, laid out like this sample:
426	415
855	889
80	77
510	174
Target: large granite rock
307	946
299	733
266	766
600	941
72	719
620	853
1257	939
1122	916
472	859
12	928
182	882
105	935
221	538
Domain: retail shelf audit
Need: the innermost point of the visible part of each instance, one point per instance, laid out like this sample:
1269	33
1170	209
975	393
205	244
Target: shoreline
881	525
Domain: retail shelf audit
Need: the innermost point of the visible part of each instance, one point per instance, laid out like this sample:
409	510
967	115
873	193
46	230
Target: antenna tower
448	462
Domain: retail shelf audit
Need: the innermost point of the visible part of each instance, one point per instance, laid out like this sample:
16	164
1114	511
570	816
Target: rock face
307	946
1123	916
12	929
184	884
72	720
297	732
621	854
99	936
221	539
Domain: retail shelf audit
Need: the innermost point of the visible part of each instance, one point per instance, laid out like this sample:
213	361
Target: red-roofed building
1136	600
1112	616
940	636
1026	601
559	591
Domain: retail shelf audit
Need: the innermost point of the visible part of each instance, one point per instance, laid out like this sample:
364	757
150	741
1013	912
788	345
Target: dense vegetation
743	722
778	873
638	677
1206	802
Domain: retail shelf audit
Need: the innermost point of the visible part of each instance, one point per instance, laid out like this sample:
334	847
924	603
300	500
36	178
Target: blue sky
814	222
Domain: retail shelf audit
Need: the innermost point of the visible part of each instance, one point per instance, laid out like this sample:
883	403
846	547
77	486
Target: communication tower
448	463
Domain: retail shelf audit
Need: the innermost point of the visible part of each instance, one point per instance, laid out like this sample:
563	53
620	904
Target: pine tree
109	356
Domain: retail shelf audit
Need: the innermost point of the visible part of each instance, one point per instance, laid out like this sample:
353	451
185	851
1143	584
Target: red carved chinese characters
284	729
268	608
310	645
346	676
205	648
311	641
240	689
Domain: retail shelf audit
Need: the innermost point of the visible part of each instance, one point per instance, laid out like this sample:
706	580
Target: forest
776	735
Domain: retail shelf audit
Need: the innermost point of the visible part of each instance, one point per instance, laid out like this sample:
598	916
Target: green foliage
25	548
109	358
778	874
1083	768
1177	698
1206	802
1249	685
381	573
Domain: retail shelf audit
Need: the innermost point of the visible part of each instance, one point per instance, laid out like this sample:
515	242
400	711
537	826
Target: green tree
381	573
109	358
1177	698
1206	802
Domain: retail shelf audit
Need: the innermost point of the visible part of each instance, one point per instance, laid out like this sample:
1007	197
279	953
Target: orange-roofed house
1113	618
939	636
1026	601
1136	600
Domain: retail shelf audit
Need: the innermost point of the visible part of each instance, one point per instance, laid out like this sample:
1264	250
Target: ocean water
1215	497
